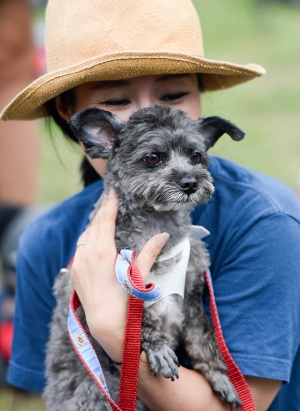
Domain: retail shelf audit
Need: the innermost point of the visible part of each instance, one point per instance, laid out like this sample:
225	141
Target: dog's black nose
189	185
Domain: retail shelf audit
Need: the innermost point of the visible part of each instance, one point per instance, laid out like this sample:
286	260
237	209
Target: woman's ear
63	110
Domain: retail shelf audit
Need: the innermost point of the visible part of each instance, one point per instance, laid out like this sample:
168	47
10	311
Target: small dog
157	165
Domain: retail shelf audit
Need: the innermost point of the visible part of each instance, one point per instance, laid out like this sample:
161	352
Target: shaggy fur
157	164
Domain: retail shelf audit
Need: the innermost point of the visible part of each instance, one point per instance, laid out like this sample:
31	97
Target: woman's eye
196	157
116	102
174	95
152	159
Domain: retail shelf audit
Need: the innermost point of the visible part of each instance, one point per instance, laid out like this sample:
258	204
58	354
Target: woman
123	56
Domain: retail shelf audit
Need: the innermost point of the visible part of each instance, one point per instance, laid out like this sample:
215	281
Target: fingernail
162	239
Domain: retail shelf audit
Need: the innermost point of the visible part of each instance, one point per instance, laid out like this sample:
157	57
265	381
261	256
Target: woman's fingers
149	253
102	228
99	237
94	258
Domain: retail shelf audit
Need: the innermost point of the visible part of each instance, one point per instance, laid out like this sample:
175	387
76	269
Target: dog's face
162	161
158	158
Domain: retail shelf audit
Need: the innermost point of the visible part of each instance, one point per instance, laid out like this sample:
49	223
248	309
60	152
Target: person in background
18	139
19	153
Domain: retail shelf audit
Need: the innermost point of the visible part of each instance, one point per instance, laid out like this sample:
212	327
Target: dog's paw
163	359
224	389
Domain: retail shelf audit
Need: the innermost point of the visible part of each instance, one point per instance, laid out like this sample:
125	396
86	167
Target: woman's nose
144	101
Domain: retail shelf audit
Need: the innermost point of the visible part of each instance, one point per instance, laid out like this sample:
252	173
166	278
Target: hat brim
216	75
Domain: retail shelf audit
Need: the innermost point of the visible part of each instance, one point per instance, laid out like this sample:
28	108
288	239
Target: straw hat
89	40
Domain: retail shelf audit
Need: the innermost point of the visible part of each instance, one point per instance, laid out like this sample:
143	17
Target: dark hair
88	173
200	83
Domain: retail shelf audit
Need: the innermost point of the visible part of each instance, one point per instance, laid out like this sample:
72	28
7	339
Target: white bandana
173	281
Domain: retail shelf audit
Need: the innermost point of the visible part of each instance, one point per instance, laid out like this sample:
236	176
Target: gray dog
157	165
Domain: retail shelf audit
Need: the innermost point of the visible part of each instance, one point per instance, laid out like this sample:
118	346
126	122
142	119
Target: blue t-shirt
254	244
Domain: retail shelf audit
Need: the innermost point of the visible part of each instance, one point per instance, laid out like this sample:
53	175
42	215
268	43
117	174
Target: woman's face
124	97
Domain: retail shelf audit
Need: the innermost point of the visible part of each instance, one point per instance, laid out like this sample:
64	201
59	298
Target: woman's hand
94	279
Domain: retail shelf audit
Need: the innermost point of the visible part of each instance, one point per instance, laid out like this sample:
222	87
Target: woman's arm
105	304
263	391
193	393
190	392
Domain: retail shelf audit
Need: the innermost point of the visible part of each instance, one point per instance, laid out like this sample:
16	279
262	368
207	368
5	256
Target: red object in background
6	335
39	62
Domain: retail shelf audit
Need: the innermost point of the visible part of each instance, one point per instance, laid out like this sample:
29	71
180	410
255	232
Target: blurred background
266	32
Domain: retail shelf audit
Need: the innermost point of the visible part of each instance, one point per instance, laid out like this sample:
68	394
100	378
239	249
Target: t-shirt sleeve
46	246
257	288
33	311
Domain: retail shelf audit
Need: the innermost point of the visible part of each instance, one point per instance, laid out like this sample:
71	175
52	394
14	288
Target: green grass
268	109
11	400
59	166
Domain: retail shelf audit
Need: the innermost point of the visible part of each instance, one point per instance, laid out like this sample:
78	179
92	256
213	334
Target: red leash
132	347
234	373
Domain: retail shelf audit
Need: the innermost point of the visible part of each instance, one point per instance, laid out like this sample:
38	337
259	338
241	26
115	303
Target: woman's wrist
112	343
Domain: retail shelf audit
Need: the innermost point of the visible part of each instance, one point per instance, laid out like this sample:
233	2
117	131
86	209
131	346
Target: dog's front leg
155	343
198	335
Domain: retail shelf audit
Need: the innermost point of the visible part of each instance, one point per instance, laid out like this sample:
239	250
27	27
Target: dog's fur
152	198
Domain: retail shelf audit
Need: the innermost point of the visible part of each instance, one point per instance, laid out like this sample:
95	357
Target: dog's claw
163	360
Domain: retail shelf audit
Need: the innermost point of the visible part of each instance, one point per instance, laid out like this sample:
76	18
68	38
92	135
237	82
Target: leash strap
129	279
85	350
234	373
132	342
131	351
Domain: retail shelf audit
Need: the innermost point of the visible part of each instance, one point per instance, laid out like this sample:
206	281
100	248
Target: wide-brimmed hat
94	40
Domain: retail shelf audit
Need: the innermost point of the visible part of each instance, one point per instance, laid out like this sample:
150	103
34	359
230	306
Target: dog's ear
97	129
212	128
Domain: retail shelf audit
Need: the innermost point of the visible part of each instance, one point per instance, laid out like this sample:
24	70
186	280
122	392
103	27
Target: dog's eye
152	159
196	157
